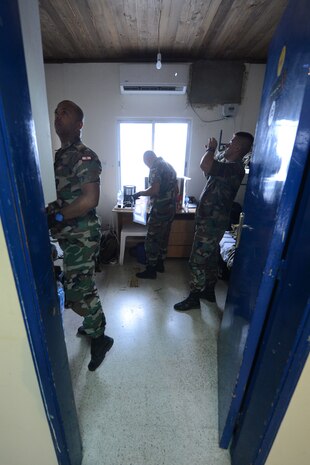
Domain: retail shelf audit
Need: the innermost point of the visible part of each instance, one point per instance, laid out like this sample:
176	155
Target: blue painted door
276	172
24	223
285	342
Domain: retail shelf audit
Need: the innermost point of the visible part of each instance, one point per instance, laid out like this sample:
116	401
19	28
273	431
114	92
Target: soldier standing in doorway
73	221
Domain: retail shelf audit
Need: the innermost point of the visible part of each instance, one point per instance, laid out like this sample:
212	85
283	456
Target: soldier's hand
54	219
136	196
212	144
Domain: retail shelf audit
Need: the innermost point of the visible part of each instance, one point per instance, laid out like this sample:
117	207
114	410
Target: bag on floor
108	249
138	251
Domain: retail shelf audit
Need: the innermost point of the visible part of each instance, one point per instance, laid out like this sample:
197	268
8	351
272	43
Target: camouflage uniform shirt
74	166
223	182
163	204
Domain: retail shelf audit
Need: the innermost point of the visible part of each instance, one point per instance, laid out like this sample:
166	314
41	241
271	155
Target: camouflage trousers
80	251
156	241
203	261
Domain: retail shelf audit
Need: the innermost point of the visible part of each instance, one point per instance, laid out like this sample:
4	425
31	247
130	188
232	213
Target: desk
182	230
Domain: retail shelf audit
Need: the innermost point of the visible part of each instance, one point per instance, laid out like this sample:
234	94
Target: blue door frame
275	180
24	223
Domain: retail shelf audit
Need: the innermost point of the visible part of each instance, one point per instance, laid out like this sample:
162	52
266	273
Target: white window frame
154	121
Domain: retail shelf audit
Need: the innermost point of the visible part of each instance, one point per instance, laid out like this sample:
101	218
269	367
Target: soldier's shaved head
77	110
149	157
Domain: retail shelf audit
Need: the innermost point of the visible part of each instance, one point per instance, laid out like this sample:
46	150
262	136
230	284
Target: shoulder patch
86	158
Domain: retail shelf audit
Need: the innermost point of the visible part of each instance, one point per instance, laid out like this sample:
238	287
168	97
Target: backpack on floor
108	249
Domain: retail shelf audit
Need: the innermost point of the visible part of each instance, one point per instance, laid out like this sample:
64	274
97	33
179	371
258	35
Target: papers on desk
140	210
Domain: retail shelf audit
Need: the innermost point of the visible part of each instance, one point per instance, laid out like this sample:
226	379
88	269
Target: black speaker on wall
216	82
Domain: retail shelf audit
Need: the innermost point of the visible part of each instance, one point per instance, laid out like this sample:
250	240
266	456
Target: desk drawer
179	251
180	238
185	226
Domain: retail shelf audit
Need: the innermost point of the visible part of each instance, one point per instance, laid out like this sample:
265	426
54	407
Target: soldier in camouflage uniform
162	191
224	173
74	223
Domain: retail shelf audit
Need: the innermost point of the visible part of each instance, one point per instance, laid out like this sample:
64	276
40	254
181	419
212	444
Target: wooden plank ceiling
134	30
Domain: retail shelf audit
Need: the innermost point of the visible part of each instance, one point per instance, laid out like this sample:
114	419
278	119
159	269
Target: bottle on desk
186	202
178	202
120	198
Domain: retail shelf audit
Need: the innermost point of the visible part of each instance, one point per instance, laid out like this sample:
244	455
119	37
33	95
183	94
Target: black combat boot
148	273
99	347
160	266
208	294
191	302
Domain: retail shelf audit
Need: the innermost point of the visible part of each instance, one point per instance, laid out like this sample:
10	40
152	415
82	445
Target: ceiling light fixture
158	58
158	62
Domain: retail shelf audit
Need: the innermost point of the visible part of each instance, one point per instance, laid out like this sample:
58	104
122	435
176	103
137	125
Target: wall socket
229	110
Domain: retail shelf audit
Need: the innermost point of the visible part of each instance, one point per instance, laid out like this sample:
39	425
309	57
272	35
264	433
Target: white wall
95	87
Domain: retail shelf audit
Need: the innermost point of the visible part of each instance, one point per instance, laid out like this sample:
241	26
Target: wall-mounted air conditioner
144	78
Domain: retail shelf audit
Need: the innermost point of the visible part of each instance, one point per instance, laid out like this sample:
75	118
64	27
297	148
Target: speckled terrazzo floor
153	401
